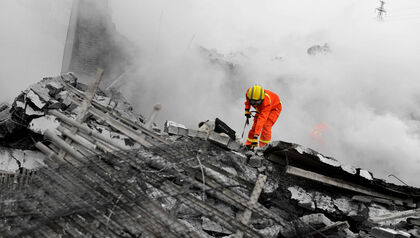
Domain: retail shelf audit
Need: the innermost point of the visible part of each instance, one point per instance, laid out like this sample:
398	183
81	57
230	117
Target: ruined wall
93	41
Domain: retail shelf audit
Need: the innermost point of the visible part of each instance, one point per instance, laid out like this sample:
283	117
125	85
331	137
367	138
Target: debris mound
76	162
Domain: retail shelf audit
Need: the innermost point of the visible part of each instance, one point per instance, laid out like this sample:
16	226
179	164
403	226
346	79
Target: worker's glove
254	143
247	113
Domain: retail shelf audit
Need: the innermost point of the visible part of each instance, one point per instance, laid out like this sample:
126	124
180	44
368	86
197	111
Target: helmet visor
255	102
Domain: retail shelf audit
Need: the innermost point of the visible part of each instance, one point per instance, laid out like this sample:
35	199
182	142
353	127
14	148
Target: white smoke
366	90
31	42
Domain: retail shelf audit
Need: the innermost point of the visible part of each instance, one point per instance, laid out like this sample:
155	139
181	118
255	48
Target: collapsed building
76	162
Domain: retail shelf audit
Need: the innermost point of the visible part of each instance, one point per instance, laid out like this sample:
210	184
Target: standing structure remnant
381	11
93	42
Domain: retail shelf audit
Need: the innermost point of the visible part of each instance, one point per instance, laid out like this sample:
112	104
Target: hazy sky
366	91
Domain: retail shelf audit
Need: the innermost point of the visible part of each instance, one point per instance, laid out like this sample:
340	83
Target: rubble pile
103	170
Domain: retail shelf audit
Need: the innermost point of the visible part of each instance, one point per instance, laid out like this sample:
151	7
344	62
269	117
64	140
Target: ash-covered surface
125	180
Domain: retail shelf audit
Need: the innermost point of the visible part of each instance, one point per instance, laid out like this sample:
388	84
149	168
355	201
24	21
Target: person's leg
265	137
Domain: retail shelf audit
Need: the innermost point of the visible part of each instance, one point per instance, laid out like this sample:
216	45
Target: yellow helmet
255	94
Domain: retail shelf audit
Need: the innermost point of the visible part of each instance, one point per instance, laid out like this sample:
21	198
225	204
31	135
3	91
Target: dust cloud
31	42
365	91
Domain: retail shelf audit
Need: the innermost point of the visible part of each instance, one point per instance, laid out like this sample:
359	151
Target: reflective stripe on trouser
250	140
265	137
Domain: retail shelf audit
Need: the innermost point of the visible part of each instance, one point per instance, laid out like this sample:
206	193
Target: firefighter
268	107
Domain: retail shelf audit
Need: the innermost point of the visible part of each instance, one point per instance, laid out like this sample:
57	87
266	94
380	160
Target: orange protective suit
267	113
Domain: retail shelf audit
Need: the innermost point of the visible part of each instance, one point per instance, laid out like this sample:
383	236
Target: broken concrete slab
202	135
323	202
255	161
349	169
345	205
218	139
33	112
365	174
233	145
170	128
209	225
192	133
182	131
304	199
7	125
41	124
316	219
271	231
35	99
13	159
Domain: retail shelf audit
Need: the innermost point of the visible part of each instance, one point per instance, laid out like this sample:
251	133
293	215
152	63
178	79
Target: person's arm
247	108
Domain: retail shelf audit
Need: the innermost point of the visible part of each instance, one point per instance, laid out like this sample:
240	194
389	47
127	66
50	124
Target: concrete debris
41	124
365	174
255	161
171	128
414	221
111	174
316	219
7	125
212	227
13	159
35	99
414	232
219	139
304	199
389	233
